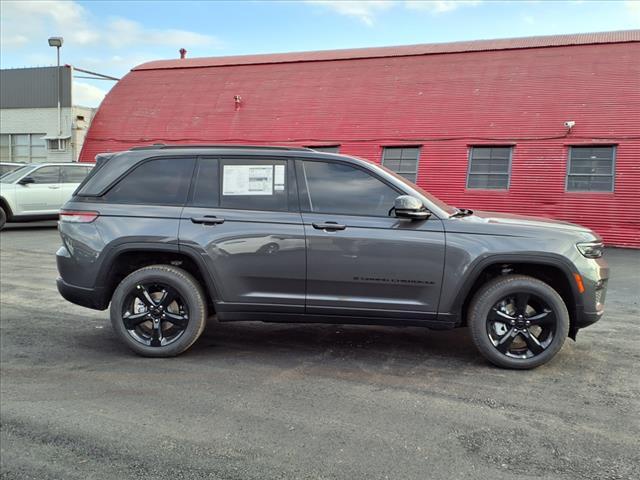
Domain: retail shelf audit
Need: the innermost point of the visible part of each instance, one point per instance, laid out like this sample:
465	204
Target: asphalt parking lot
268	401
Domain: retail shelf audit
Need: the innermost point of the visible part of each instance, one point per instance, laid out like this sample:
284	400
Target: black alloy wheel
159	310
155	314
517	321
521	325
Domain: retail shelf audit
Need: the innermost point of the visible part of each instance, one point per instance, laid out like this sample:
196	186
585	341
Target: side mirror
26	180
410	207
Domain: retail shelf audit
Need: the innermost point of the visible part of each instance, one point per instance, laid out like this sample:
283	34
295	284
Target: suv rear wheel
518	321
159	311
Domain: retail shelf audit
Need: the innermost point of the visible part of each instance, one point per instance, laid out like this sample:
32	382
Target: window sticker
247	180
278	181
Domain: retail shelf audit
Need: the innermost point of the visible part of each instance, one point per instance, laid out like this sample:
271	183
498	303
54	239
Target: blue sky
112	37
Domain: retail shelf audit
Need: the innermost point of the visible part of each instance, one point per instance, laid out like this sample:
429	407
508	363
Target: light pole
57	42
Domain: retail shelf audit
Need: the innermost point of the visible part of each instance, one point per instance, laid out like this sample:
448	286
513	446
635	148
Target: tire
151	328
497	307
3	218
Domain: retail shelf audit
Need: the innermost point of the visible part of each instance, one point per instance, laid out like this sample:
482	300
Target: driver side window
46	175
337	188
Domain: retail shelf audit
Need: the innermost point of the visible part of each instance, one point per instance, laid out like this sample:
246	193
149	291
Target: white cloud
367	10
363	10
528	19
87	95
440	6
77	26
121	33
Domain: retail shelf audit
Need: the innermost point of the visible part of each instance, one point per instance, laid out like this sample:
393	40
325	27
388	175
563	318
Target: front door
42	197
360	260
243	220
70	177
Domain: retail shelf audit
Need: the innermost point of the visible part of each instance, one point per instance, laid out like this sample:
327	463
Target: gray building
32	127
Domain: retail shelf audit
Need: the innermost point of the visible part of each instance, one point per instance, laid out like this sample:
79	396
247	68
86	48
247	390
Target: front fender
451	305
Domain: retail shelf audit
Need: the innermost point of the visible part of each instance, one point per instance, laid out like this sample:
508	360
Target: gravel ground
268	401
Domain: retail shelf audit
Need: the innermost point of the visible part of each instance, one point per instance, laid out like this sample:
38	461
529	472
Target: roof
622	36
162	146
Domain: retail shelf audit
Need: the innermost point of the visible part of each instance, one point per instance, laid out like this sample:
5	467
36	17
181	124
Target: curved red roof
401	51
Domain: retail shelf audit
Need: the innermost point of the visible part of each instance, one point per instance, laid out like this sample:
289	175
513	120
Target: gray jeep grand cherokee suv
168	235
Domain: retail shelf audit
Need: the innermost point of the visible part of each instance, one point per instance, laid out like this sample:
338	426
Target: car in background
37	191
6	167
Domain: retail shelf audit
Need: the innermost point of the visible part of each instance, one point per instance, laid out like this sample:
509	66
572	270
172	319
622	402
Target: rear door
42	197
243	221
360	260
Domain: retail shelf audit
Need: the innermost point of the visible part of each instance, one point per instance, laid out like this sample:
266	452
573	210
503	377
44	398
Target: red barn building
480	124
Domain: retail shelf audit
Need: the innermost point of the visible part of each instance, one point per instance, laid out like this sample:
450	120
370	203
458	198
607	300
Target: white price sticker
247	180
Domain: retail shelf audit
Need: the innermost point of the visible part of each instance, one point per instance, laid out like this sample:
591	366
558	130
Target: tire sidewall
501	287
3	218
188	289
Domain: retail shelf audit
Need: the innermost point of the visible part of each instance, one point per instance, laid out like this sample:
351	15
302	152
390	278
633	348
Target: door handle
329	226
208	220
54	187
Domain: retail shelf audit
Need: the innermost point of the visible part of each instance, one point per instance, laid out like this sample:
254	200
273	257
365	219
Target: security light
55	41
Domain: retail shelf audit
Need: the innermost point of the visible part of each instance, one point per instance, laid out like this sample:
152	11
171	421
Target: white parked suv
6	167
38	190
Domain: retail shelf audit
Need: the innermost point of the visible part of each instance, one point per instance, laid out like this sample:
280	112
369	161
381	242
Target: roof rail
162	146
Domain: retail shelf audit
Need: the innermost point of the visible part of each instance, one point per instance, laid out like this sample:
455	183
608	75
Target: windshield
16	174
439	203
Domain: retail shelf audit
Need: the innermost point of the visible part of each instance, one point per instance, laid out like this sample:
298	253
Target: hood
512	220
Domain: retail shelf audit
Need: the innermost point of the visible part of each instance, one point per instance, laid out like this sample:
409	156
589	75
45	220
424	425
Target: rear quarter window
160	181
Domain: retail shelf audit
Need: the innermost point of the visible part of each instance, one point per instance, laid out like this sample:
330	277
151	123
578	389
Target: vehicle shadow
401	347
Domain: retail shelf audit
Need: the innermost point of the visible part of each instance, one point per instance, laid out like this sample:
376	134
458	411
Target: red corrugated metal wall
444	102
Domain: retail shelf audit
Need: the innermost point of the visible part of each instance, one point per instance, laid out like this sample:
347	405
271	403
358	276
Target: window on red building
402	160
591	169
489	168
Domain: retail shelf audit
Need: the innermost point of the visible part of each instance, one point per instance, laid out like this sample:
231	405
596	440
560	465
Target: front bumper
591	308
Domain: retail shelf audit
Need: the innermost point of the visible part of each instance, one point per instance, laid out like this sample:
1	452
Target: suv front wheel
3	218
518	321
159	311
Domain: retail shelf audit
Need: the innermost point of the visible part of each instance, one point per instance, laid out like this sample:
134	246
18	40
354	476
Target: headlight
591	249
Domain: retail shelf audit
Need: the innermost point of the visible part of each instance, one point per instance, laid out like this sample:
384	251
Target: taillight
78	216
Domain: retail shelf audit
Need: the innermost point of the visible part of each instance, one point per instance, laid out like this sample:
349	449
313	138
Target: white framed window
22	147
57	144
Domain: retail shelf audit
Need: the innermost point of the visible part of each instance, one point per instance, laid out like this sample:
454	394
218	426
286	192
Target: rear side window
206	188
74	174
46	175
342	189
161	181
254	184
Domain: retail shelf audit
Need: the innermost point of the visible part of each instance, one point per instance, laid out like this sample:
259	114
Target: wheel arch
6	207
554	270
124	259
